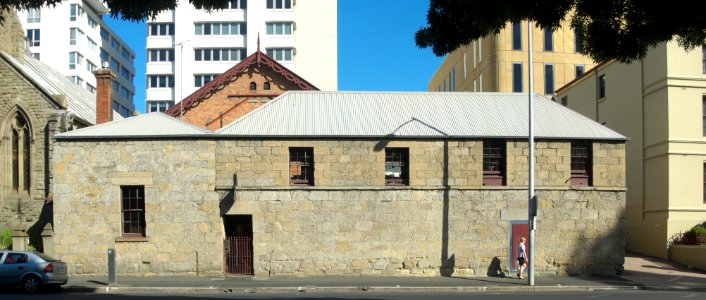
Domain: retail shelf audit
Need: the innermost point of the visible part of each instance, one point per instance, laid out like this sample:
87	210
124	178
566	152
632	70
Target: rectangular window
160	81
160	106
237	4
232	28
160	55
280	54
133	210
90	88
517	77
90	67
548	79
703	113
76	12
202	79
494	157
301	166
516	36
34	15
703	57
279	4
219	54
75	60
279	28
579	70
104	34
396	166
578	43
114	65
601	87
75	34
548	39
157	29
33	37
581	164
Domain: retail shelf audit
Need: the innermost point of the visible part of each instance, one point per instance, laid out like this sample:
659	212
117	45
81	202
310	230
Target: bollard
111	266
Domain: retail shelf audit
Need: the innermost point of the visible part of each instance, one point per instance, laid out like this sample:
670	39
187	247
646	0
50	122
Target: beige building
343	183
656	103
499	62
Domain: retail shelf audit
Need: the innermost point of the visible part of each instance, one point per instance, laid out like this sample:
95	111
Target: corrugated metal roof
149	125
414	114
78	100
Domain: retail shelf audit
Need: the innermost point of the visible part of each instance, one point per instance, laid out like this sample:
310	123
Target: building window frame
279	4
516	36
703	114
34	37
601	87
279	28
548	39
517	77
132	208
579	70
161	29
494	162
548	79
281	54
397	166
581	163
34	15
301	166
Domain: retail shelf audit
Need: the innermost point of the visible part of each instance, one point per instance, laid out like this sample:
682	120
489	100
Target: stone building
36	102
343	183
239	90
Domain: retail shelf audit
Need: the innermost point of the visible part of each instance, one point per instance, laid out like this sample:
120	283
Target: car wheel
31	284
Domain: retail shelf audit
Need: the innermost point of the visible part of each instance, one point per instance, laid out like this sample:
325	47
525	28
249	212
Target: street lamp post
532	205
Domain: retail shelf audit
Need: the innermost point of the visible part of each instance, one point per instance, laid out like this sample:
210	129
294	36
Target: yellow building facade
499	62
659	103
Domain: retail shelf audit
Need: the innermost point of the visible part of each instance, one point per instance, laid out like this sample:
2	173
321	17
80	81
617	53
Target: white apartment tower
186	47
72	38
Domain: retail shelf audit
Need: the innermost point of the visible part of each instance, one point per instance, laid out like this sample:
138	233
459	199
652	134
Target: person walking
521	257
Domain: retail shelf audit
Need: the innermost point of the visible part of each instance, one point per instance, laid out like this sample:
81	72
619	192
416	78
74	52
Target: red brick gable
229	96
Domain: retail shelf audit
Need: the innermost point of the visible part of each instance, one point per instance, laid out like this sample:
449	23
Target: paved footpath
640	273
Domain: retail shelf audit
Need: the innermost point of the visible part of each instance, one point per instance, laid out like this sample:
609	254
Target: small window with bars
396	166
494	157
301	166
133	210
581	163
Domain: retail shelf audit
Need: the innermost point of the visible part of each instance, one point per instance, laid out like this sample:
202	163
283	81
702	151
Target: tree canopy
623	30
131	10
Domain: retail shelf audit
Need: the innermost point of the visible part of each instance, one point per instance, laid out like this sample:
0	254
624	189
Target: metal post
111	266
530	215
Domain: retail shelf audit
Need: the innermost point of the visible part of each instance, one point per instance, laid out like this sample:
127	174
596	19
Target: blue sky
376	50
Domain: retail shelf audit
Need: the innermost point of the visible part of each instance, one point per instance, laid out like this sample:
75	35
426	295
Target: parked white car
31	270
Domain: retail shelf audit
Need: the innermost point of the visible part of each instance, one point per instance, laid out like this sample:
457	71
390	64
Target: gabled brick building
244	87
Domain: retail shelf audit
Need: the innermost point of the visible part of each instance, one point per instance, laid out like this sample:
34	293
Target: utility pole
531	211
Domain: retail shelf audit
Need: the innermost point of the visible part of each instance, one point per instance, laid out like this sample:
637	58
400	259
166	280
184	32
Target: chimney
104	89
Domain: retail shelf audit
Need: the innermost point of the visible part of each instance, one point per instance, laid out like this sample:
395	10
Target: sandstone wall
182	214
348	223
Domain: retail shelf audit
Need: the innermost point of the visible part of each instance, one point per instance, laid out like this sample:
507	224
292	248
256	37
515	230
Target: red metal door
237	255
518	230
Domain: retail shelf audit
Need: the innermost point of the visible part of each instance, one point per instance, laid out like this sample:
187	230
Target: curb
350	289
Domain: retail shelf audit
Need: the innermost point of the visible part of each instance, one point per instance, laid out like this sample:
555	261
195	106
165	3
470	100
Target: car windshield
45	257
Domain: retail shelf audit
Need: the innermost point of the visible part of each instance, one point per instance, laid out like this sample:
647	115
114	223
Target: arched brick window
266	86
253	86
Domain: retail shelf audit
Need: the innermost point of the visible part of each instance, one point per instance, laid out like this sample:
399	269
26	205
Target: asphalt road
609	294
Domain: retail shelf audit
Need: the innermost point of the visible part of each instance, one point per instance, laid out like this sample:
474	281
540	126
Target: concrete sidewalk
640	273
